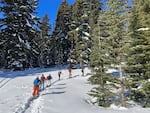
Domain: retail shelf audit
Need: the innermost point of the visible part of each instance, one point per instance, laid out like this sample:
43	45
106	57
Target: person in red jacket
42	80
70	74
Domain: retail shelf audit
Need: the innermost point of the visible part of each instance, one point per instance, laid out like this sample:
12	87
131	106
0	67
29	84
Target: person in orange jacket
36	84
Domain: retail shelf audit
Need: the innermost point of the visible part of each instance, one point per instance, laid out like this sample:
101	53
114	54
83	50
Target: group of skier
39	83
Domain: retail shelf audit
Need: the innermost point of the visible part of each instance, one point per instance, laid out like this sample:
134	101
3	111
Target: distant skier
82	71
48	80
42	79
59	74
36	84
70	74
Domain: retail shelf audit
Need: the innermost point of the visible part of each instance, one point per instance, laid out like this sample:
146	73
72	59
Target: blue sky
50	7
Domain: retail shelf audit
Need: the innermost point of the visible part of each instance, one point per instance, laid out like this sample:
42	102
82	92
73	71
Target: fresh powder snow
68	95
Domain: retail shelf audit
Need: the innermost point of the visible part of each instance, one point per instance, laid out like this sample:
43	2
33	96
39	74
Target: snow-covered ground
64	96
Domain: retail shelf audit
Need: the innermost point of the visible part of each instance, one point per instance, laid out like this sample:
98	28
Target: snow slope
64	96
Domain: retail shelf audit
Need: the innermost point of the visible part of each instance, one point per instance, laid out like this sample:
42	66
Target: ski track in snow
25	106
4	81
37	105
33	103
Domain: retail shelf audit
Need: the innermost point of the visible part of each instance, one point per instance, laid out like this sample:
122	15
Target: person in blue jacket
36	84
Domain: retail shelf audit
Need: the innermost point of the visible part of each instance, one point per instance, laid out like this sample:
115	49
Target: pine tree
139	53
84	14
94	12
117	20
60	33
45	44
45	26
2	43
112	28
18	31
99	61
140	40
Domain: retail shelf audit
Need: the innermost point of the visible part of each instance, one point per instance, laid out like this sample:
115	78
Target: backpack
36	82
49	77
59	73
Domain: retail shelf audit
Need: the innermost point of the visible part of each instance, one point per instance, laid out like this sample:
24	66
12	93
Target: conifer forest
100	34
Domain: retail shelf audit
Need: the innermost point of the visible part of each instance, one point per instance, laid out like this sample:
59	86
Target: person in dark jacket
36	84
48	80
82	71
59	74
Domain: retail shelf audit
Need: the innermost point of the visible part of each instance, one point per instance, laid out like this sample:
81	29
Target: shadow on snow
29	72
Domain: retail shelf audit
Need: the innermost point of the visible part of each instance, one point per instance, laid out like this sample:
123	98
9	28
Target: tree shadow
60	84
58	88
54	92
28	72
88	74
74	76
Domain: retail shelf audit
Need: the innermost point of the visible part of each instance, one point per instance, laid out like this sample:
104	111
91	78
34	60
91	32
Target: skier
82	71
70	72
42	79
59	74
48	79
36	83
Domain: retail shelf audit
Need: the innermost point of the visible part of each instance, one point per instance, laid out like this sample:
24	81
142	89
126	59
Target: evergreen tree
18	28
84	14
2	41
112	29
99	62
140	40
94	12
117	20
139	53
45	26
45	44
60	33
